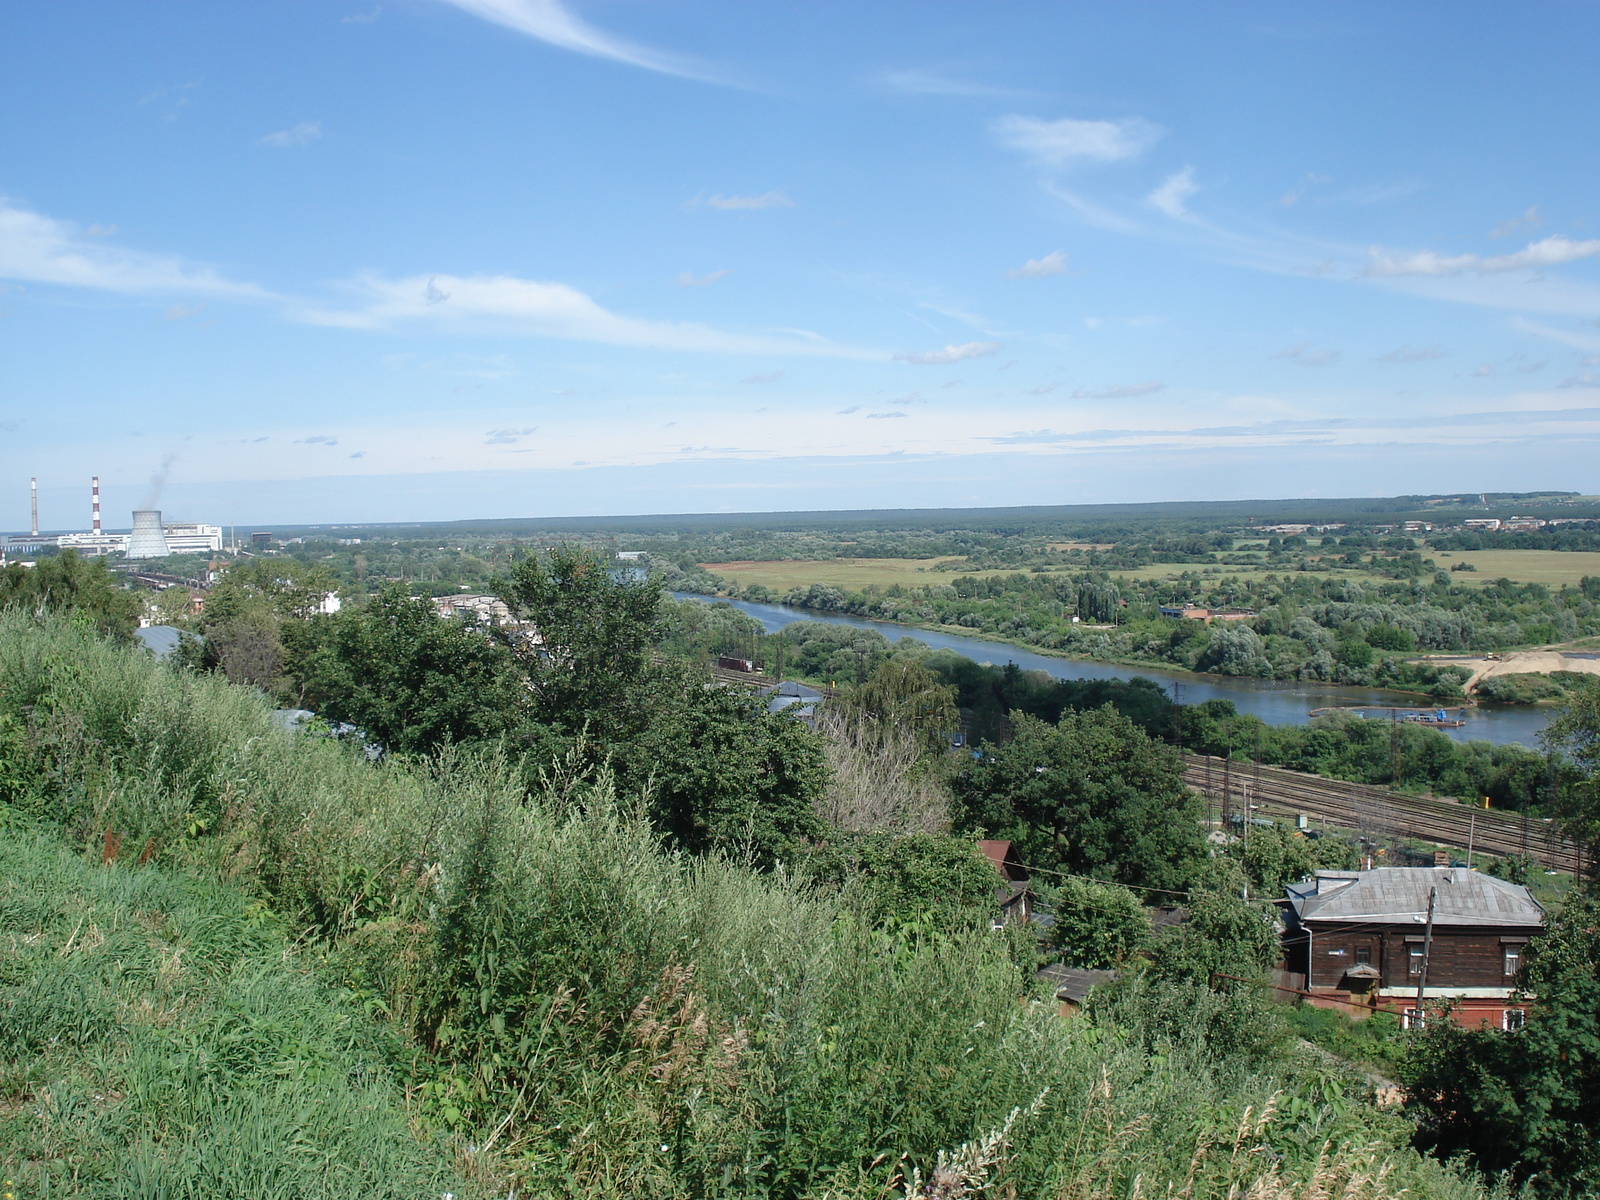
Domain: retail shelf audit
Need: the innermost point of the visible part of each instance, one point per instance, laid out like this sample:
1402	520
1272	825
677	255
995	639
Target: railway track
1376	812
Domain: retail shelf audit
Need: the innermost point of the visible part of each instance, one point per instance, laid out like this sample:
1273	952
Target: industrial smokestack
94	493
33	488
148	539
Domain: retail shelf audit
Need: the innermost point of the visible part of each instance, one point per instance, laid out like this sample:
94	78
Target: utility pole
1427	948
1472	835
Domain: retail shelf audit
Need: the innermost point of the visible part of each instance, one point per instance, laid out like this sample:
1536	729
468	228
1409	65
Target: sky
395	260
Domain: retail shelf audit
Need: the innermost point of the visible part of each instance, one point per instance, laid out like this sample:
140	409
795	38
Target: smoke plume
152	495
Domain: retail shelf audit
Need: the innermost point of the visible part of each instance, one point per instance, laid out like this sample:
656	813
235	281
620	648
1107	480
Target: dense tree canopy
594	628
722	773
67	583
410	680
1093	795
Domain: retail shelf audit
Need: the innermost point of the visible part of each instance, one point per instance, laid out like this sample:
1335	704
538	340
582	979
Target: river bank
1276	702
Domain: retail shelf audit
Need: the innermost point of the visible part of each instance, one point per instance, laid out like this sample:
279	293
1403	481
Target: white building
94	543
193	539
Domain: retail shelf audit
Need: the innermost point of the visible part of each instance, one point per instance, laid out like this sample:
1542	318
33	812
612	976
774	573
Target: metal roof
1073	983
1399	896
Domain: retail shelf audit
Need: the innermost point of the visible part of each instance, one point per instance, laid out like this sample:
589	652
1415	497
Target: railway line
1229	787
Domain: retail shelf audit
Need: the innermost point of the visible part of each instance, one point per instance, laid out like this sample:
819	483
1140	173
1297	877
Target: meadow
1554	568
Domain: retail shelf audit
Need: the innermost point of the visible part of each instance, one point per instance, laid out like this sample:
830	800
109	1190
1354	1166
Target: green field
1554	567
852	573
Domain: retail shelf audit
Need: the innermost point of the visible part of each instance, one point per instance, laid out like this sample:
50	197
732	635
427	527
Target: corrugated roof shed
1399	895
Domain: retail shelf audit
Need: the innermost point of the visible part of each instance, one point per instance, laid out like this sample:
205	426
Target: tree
67	583
1224	935
252	626
1574	733
1093	795
1526	1102
721	772
1097	925
410	679
593	632
915	877
1234	649
906	694
1273	856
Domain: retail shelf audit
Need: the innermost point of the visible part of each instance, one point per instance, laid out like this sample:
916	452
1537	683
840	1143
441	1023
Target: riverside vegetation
630	936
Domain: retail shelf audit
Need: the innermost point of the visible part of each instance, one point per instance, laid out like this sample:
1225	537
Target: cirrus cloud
299	135
550	22
1174	192
951	354
1125	391
776	198
1066	141
1549	252
35	248
1040	268
506	303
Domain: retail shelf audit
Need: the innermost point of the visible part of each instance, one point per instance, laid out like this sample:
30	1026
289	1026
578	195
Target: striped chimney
33	487
94	492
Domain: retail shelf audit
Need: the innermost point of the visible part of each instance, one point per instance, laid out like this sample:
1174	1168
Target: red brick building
1361	937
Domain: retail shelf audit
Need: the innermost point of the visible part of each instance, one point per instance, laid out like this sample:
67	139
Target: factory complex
149	537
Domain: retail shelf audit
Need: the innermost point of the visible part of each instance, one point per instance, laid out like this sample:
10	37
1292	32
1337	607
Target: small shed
1072	985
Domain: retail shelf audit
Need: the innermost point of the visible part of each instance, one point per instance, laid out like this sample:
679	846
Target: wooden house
1012	894
1362	938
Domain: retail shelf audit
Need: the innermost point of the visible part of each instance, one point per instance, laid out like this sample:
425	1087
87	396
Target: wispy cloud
363	18
1566	337
767	377
884	416
1551	251
1303	354
845	412
1410	354
951	354
507	437
182	312
1044	389
1124	391
38	249
1067	141
776	198
1589	379
1298	192
687	279
98	230
915	82
1173	194
550	22
508	304
1528	220
298	135
1517	364
1039	268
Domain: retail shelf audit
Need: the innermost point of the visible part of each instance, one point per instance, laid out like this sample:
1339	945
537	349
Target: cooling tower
147	539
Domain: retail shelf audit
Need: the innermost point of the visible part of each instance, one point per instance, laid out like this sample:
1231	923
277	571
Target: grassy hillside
163	1037
309	975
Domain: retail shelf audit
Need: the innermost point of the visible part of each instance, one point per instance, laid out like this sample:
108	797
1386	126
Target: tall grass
160	1038
589	1014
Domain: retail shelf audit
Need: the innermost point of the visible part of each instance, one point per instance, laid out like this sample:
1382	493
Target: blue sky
433	259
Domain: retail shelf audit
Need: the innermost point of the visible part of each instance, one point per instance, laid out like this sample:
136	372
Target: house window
1513	1019
1414	961
1513	960
1363	956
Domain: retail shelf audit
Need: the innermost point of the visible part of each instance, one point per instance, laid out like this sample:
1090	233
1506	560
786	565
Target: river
1275	702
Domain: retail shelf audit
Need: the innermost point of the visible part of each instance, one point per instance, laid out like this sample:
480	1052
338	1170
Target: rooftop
1399	895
